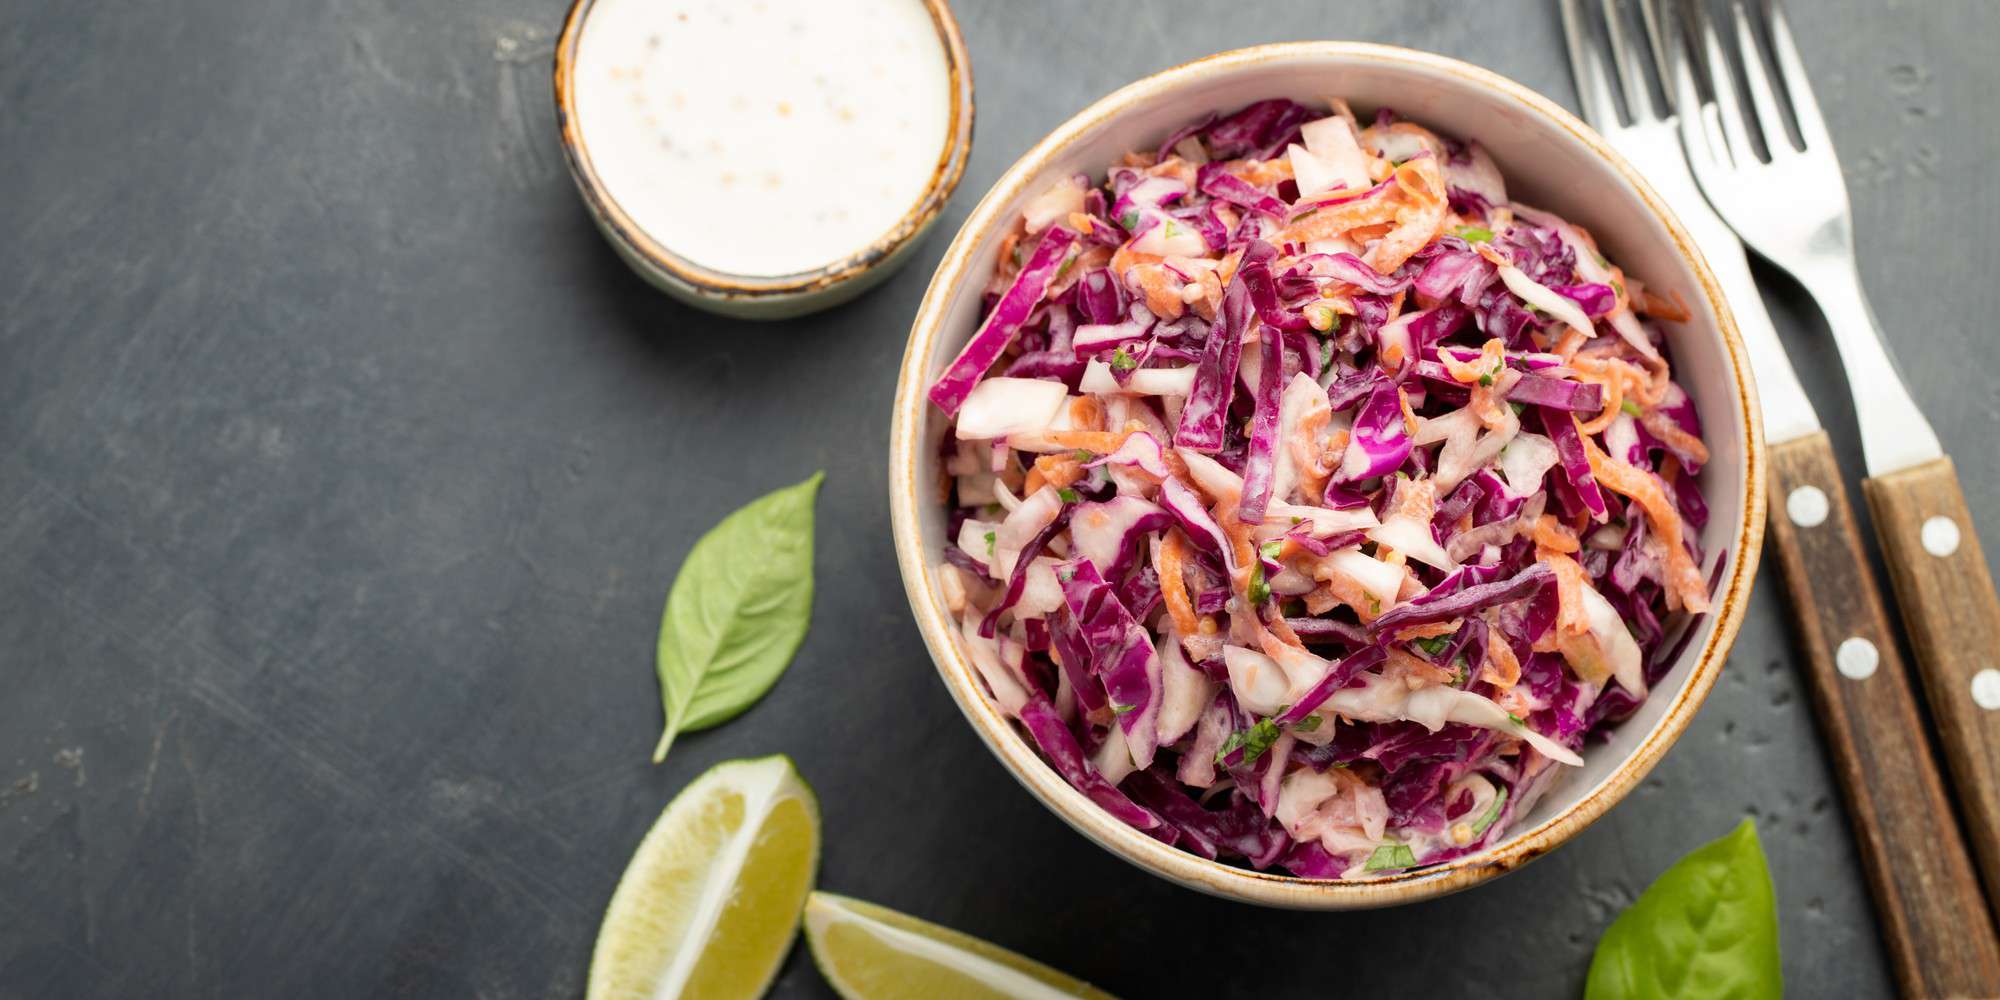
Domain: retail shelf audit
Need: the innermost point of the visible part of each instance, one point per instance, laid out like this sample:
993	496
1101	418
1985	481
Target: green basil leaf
737	612
1708	926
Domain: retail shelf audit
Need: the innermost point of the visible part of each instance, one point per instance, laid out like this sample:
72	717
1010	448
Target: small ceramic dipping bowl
609	115
1549	159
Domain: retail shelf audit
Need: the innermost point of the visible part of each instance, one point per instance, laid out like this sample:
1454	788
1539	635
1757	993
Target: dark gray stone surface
343	471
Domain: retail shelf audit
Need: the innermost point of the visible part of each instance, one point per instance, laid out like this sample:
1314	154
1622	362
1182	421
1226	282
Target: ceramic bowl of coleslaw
1326	475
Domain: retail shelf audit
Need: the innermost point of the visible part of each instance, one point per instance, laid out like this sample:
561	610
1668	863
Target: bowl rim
708	282
1021	760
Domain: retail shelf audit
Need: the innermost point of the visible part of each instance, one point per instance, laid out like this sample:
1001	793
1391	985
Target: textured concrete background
343	470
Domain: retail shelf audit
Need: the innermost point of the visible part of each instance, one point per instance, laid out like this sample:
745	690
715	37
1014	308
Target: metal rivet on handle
1806	506
1857	658
1940	535
1986	688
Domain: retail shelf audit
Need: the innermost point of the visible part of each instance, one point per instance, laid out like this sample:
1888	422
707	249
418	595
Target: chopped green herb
1066	495
1492	813
1019	250
1253	741
1130	220
1307	724
1474	234
1391	856
1486	379
1631	407
1432	646
990	537
1601	262
1515	719
1067	263
1519	408
1171	230
1297	520
1374	606
1271	548
1084	455
1122	361
1259	591
1117	709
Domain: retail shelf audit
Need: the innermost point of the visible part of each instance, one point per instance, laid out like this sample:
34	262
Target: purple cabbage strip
1596	300
1121	652
1060	747
1336	678
1259	468
1316	630
993	336
1099	297
1574	460
1207	407
1426	610
1019	580
1557	393
1174	138
1219	183
1353	270
1380	436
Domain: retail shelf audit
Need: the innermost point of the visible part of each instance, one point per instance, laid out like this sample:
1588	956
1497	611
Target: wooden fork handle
1953	617
1934	919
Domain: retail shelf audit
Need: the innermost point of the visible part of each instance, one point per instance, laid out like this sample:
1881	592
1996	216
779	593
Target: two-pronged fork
1934	918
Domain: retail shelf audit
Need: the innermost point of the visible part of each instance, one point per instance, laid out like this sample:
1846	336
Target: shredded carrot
1283	632
1409	415
1502	668
1552	535
1492	357
1059	471
1329	221
1087	414
1661	426
1262	173
1173	585
1685	586
1099	442
1430	631
1419	217
1570	615
1240	544
1161	288
1127	258
1613	390
1651	304
1344	589
1414	671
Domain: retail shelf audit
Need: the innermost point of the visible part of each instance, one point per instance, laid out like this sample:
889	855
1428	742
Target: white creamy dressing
763	138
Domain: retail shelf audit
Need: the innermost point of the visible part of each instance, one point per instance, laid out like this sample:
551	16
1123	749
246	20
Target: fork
1918	868
1791	207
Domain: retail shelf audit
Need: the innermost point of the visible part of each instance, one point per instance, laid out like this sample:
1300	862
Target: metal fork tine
1659	35
1631	75
1728	107
1593	89
1669	44
1770	120
1792	70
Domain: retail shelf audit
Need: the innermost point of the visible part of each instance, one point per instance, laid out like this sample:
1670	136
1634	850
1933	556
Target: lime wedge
870	952
710	901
